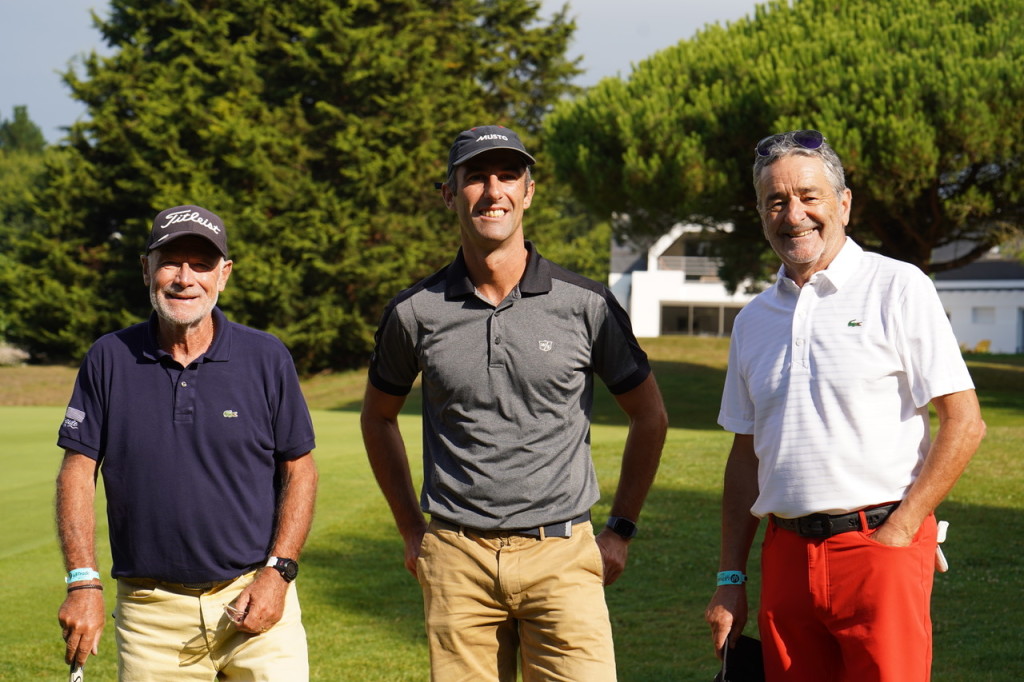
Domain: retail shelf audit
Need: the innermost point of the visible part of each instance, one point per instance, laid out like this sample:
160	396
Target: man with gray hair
831	373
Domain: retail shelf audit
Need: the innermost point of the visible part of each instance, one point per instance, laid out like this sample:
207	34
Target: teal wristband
77	575
731	578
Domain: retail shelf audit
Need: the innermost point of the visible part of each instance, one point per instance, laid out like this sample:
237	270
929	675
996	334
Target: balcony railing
693	266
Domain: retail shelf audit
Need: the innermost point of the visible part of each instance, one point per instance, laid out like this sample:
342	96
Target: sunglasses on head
808	139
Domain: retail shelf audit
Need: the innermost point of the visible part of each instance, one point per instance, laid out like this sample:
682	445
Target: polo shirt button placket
184	400
496	331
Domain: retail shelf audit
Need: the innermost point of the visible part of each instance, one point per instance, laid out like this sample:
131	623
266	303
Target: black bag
742	663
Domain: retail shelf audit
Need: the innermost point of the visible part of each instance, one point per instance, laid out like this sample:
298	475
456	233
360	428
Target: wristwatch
288	568
622	527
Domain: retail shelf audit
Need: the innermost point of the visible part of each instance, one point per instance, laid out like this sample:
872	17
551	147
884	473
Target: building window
983	315
698	320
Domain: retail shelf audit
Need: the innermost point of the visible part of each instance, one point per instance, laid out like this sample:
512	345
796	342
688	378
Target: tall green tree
922	101
315	128
20	134
21	171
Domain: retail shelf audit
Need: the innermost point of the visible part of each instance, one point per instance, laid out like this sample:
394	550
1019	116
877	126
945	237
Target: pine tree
20	134
922	101
315	128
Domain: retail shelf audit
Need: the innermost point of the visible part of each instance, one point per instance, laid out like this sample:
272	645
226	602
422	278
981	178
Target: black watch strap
622	527
288	568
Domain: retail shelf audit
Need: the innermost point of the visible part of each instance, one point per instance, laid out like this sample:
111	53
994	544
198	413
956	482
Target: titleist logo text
192	217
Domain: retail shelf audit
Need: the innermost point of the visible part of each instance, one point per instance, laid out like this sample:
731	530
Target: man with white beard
204	441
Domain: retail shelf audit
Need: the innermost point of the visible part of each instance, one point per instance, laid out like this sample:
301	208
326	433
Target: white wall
648	291
978	312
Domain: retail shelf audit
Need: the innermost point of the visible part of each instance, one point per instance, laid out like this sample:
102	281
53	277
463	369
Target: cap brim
530	161
167	239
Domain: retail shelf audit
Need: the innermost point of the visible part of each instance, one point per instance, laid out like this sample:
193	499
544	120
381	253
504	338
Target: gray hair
776	147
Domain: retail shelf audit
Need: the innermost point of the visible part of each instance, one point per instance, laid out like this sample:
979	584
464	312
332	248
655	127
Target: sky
39	39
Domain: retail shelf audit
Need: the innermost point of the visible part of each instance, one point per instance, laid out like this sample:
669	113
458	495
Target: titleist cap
182	221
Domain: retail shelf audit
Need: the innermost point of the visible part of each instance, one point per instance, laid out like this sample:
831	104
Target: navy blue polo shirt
188	454
507	389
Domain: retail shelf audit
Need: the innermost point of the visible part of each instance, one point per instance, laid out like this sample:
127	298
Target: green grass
363	612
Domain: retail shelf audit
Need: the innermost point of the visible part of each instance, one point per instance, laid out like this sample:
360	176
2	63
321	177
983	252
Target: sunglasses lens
808	139
764	147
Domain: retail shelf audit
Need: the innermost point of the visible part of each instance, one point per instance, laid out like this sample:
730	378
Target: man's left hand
892	535
614	552
262	602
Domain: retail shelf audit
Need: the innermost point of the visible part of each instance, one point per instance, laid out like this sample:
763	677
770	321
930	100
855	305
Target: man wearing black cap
508	344
203	439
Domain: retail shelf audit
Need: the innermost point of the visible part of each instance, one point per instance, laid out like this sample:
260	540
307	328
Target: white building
672	287
985	304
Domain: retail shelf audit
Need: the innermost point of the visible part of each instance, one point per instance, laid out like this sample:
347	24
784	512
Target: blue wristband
731	578
77	575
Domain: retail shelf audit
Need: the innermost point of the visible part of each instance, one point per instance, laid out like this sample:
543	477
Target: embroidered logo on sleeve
230	414
73	417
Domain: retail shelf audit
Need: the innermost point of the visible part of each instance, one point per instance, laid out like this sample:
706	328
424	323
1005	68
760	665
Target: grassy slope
363	612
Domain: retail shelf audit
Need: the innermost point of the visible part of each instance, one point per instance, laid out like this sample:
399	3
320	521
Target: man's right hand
82	619
727	614
412	550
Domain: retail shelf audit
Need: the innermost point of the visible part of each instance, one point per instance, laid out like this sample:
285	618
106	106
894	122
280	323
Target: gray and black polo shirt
507	389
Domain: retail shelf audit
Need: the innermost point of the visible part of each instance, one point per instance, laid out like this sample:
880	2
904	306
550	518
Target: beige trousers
493	598
164	632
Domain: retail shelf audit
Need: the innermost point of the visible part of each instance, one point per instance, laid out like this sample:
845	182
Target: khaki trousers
491	598
165	632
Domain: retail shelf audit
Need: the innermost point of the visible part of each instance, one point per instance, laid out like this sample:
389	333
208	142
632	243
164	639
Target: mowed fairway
363	612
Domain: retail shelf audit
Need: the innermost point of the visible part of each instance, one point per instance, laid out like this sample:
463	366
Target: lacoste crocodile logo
854	323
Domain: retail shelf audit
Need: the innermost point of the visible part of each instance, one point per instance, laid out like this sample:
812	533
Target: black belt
203	587
178	588
562	529
826	525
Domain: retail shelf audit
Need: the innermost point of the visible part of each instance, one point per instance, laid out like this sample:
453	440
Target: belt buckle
815	526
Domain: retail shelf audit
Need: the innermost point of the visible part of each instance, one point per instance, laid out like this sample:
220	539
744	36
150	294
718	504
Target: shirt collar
836	274
219	350
536	279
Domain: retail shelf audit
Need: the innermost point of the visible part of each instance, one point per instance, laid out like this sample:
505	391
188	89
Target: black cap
182	221
482	139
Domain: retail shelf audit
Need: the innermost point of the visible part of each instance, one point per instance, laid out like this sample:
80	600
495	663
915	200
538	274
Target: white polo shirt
833	379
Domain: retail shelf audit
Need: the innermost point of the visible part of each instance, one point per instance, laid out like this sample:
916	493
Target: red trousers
846	608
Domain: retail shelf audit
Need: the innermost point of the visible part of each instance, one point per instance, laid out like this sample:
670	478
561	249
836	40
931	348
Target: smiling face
491	193
803	218
185	278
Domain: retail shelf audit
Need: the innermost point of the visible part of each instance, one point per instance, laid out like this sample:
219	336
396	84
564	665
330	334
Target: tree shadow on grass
976	613
999	384
367	577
